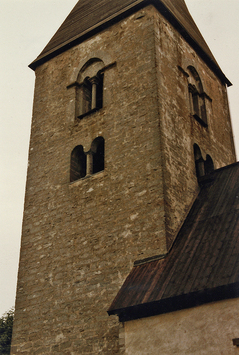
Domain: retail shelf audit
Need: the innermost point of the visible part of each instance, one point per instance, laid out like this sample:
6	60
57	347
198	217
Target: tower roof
91	16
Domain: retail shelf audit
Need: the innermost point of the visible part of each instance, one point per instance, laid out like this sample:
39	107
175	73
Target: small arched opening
208	165
199	161
98	151
78	164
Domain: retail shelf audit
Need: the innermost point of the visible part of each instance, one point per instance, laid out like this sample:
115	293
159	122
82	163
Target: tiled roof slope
91	16
203	264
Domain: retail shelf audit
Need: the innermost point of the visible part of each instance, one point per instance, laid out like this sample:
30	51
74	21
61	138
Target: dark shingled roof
203	264
91	16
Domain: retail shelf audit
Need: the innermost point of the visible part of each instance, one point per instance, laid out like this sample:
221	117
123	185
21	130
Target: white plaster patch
133	216
59	337
148	167
126	234
141	193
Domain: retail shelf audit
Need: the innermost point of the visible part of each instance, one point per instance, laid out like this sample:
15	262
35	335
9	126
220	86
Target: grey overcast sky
26	26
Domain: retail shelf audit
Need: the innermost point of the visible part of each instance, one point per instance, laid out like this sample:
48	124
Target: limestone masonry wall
179	130
80	239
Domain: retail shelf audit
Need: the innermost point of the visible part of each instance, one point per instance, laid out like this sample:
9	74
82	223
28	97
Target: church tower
130	115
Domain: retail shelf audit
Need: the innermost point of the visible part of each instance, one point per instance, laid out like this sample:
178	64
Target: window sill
79	181
88	113
197	118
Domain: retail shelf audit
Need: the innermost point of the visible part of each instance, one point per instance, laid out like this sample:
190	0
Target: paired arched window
89	88
203	167
197	96
87	163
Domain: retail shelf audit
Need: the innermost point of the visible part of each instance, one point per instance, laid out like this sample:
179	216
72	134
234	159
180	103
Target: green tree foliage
6	323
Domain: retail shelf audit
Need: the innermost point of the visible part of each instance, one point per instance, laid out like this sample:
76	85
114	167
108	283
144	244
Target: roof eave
176	303
121	15
89	33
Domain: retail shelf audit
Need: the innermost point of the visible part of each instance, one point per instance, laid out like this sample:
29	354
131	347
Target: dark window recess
199	161
98	150
87	95
236	342
78	164
85	164
203	167
195	103
92	91
208	165
99	92
197	97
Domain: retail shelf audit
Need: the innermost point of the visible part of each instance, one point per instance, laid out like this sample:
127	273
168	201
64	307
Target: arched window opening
85	164
203	167
98	151
197	97
209	166
199	161
89	95
99	91
78	164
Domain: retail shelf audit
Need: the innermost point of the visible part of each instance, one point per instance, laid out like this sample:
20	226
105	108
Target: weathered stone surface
80	239
178	128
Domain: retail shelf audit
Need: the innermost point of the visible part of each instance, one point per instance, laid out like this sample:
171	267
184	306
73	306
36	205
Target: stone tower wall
179	130
80	239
